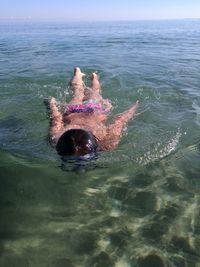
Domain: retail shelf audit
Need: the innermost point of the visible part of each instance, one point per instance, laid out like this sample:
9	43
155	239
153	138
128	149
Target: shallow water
136	206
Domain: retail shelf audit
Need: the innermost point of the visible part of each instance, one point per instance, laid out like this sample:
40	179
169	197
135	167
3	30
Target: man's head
76	143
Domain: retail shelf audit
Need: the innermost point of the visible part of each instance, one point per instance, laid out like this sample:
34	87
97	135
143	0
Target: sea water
136	206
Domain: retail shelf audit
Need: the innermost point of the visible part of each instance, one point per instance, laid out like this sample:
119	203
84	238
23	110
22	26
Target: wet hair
76	143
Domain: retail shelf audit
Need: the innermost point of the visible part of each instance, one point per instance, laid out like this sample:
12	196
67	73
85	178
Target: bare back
107	135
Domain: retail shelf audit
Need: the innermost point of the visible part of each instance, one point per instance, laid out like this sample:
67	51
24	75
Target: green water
134	207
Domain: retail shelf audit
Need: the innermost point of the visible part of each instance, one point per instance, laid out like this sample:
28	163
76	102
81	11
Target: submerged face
76	142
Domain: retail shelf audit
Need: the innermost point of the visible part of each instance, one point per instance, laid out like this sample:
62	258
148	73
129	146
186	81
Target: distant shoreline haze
90	21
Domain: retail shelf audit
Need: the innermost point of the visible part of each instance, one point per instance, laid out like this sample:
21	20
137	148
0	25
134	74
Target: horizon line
91	20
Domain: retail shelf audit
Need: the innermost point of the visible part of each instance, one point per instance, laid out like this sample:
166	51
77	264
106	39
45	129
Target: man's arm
115	129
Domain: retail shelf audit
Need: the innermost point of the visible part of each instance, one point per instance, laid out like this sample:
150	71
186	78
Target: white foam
197	110
159	152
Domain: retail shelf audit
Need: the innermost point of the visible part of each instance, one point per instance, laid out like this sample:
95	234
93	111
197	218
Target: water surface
136	206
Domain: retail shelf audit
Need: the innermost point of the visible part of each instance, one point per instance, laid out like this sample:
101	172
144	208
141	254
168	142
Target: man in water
81	129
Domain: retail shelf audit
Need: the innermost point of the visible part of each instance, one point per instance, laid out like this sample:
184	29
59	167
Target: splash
158	151
196	107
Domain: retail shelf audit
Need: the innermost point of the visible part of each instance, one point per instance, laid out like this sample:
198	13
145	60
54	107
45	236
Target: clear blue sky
99	9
